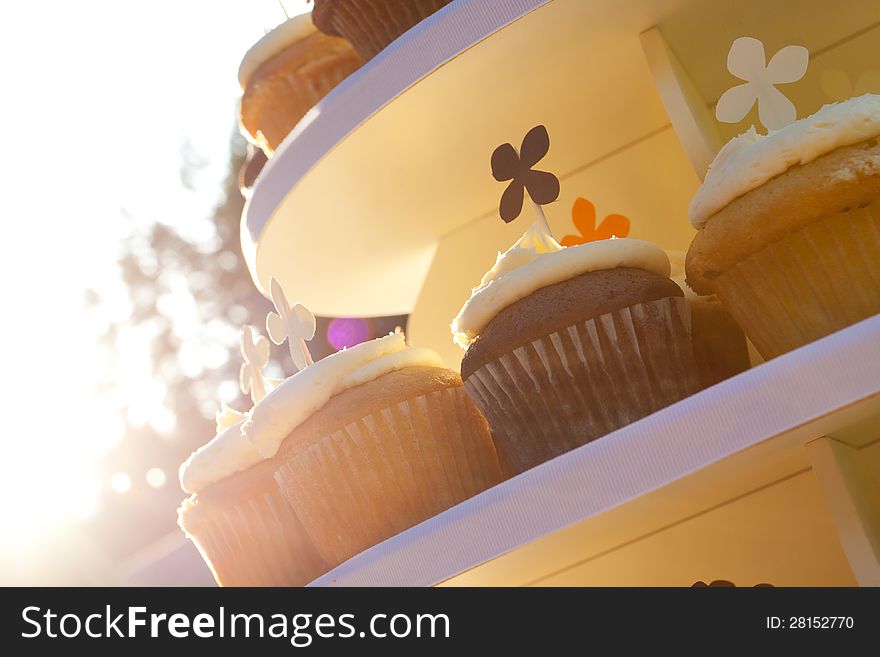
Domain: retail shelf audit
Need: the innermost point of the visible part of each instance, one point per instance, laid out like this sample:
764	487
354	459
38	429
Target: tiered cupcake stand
381	202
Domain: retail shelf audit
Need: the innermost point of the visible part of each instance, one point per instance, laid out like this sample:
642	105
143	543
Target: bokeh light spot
347	332
156	477
120	482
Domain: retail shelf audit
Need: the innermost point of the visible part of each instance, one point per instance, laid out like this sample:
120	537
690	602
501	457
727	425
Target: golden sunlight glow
105	94
120	482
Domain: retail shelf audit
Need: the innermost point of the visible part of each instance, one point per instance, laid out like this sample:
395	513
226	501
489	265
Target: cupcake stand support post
688	111
847	467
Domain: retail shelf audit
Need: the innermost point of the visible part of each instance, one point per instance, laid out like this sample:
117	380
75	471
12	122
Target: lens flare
347	332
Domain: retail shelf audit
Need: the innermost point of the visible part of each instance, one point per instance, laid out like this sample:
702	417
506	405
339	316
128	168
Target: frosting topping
227	453
748	161
273	42
304	393
227	417
535	261
525	250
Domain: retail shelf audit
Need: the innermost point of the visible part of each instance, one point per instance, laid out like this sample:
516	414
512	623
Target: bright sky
98	98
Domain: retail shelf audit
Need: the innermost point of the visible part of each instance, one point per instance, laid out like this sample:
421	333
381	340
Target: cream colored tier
290	31
749	160
536	260
300	395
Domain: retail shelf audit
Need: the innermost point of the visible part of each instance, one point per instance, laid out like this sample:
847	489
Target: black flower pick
543	187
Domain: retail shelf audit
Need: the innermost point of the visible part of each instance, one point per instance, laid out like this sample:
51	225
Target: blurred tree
163	269
160	267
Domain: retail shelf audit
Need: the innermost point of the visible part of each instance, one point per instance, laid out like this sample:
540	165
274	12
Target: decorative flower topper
746	60
541	186
583	215
724	584
837	85
295	324
256	357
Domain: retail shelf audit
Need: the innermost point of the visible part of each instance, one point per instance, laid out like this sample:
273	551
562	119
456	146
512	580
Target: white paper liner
815	281
388	471
256	541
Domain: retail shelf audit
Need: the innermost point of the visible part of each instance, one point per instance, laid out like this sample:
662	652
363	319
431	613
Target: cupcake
370	25
370	441
565	345
236	516
284	74
789	227
720	346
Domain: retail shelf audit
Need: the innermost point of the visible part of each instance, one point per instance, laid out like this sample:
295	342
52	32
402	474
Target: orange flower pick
583	215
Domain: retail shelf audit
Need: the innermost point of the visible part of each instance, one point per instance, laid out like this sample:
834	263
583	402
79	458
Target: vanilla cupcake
720	346
236	516
284	74
370	25
789	227
370	441
565	345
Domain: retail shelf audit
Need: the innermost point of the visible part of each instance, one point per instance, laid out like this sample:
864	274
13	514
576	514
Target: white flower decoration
255	353
746	60
295	324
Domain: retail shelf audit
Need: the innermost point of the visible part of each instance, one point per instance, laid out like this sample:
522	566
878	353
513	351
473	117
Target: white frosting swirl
229	452
290	31
227	417
299	396
523	251
225	454
748	161
535	261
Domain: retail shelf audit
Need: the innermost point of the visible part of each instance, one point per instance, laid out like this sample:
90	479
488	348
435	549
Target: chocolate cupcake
565	345
789	227
370	25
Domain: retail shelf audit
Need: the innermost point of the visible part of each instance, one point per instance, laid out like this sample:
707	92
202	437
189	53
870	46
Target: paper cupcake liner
572	386
388	471
815	281
370	25
720	347
256	540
